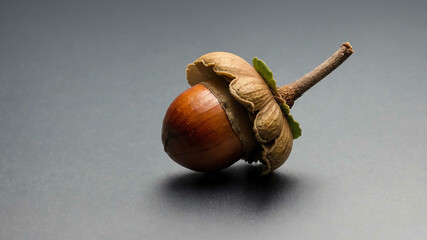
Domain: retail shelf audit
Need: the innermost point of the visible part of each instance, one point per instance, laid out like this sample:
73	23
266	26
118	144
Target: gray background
84	86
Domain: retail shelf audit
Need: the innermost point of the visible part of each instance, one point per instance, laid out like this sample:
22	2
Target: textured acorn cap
270	127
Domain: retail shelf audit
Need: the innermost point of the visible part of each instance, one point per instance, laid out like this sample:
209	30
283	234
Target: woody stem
293	91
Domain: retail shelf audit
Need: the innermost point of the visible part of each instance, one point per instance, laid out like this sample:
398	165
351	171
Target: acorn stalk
291	92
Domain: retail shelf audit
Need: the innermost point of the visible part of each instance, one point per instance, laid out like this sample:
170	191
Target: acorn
234	110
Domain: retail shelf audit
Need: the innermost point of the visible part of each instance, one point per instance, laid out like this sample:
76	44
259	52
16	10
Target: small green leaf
267	75
294	125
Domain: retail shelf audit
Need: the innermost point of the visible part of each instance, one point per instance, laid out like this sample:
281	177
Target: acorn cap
270	126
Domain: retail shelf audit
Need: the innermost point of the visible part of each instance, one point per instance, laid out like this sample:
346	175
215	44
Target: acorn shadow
239	189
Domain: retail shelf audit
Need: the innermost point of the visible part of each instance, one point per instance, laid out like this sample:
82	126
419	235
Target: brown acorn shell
270	126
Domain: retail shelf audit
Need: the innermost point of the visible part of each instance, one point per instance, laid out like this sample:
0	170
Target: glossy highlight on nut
197	134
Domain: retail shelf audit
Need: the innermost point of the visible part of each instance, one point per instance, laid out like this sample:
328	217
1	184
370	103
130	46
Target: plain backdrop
84	86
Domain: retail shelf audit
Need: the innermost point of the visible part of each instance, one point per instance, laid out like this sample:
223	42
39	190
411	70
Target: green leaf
267	75
294	125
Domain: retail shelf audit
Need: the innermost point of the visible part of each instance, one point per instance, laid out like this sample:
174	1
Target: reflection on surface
239	189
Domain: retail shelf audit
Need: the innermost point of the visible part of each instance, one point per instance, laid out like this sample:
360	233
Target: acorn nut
234	110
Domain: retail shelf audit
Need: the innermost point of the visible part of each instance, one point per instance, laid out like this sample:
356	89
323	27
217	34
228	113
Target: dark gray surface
84	87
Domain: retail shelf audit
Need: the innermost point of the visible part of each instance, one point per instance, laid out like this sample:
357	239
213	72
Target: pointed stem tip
293	91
